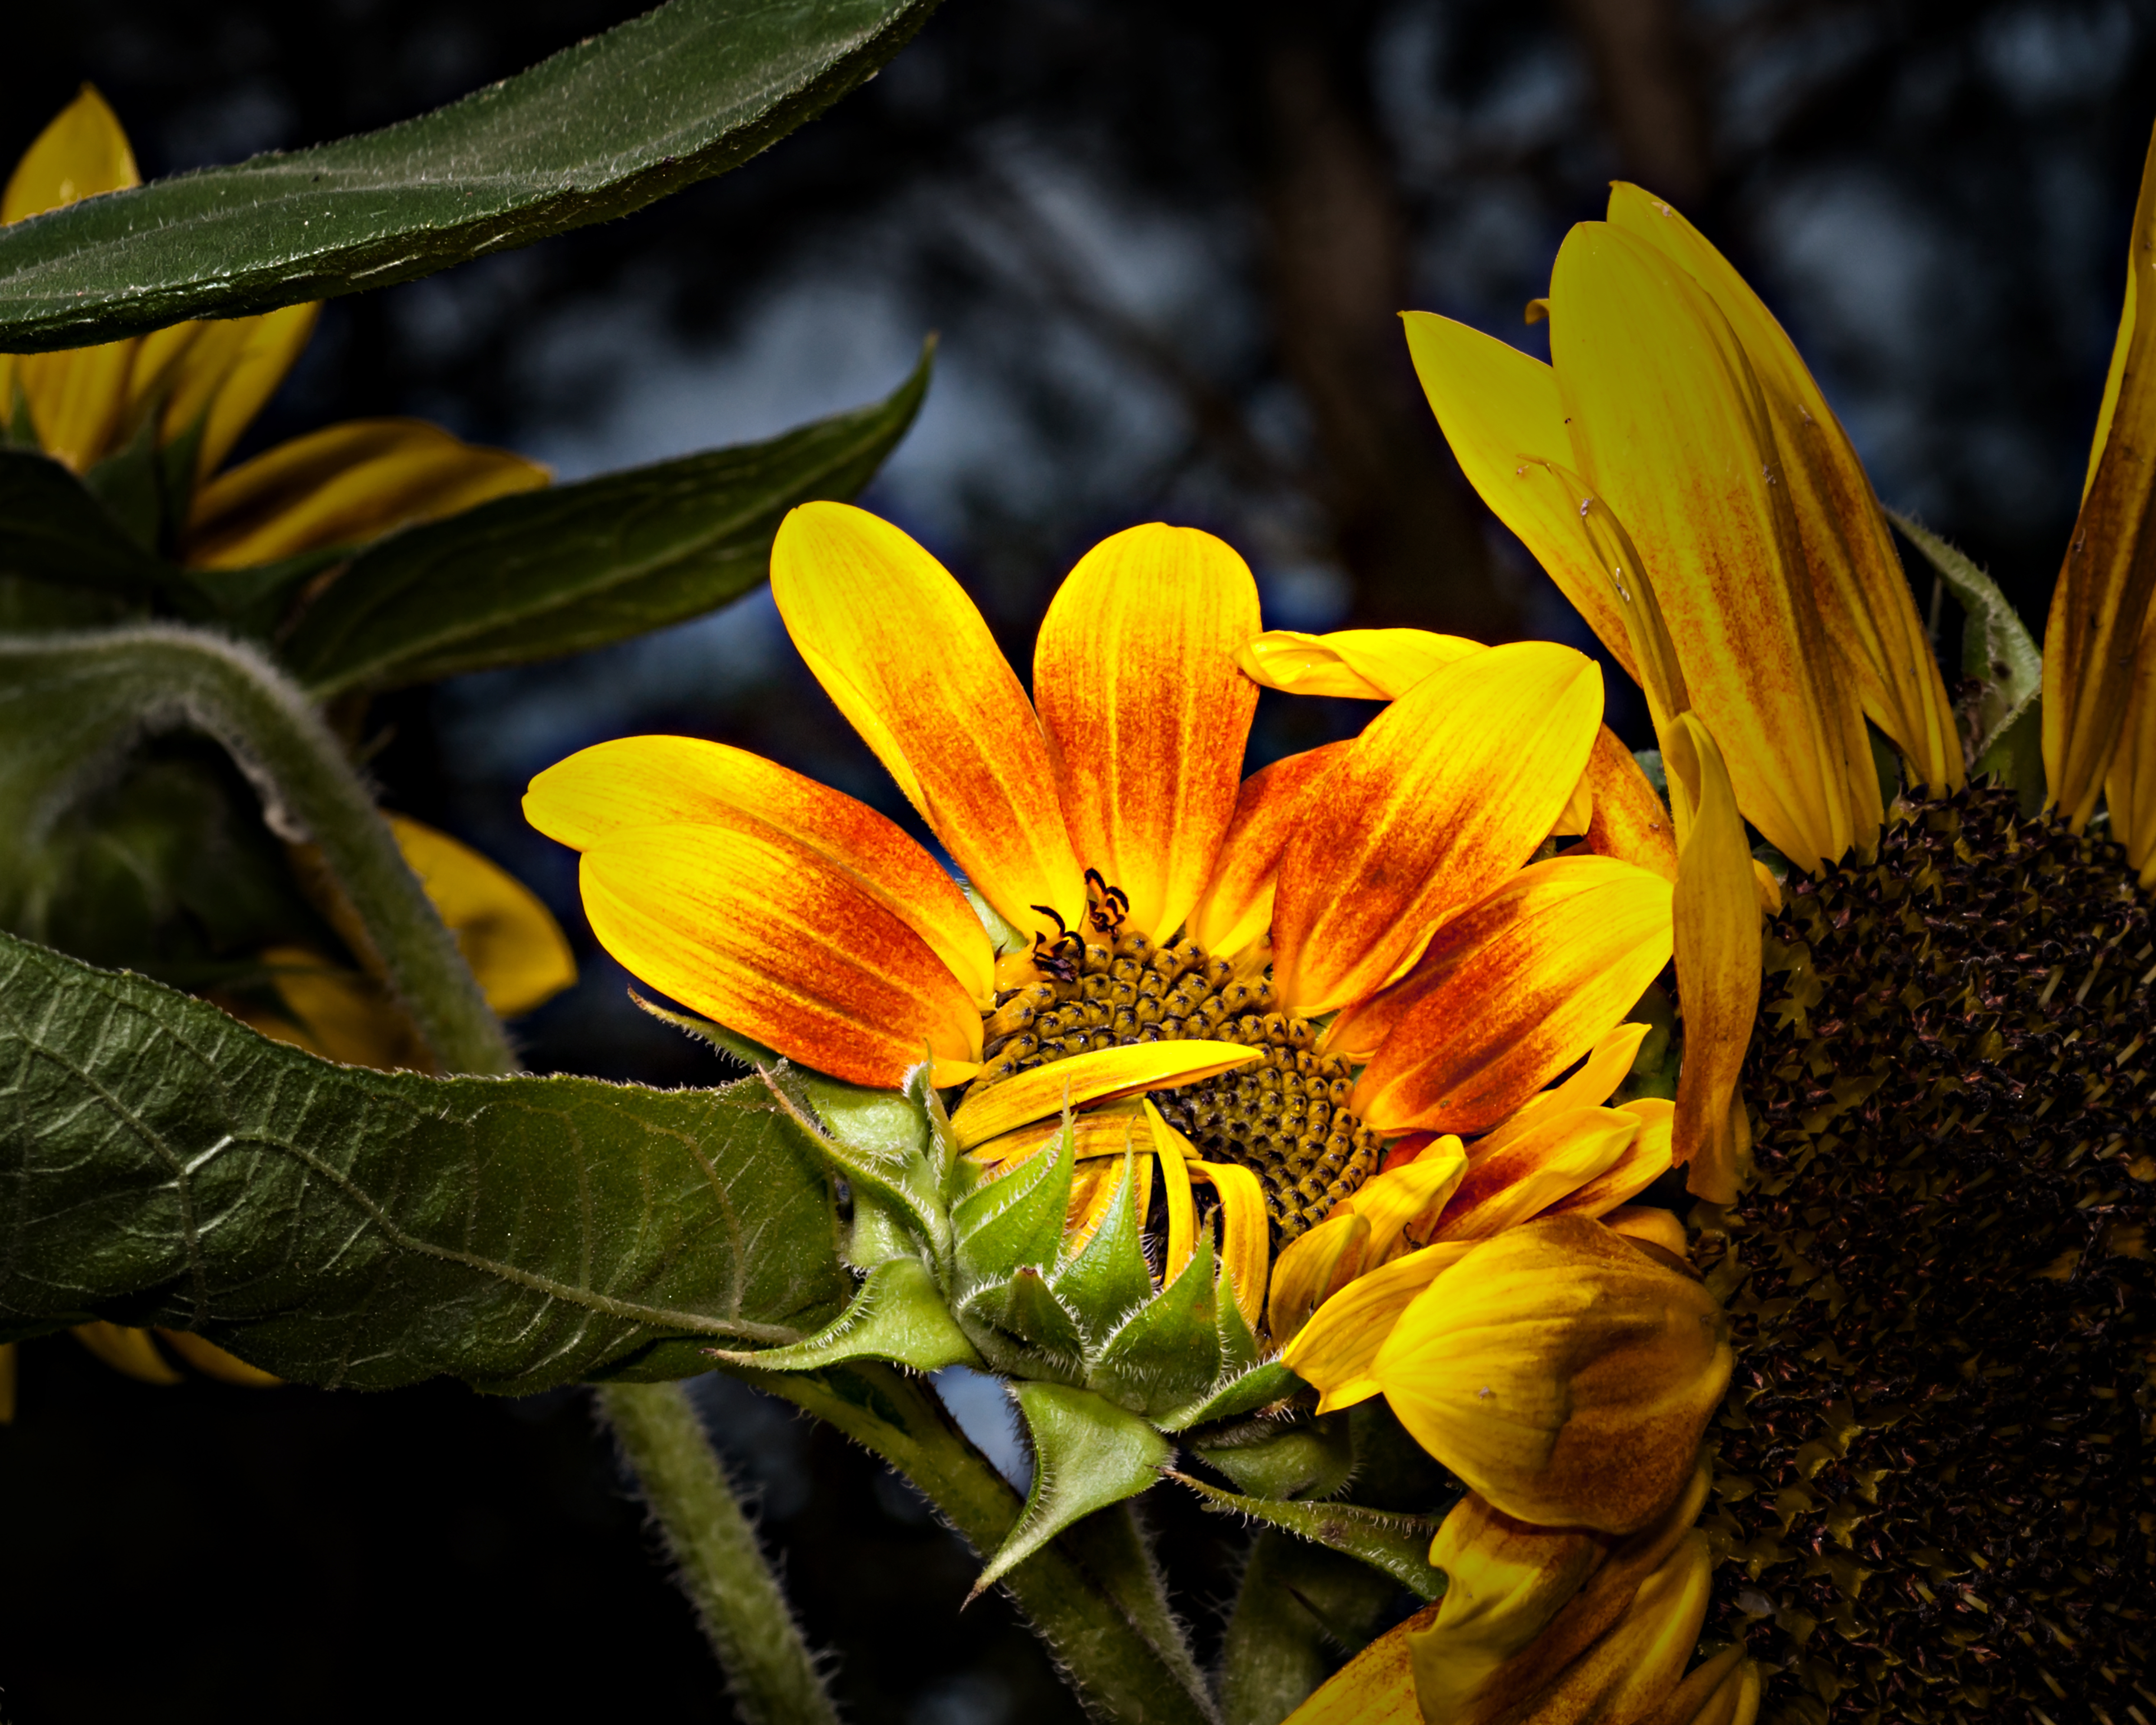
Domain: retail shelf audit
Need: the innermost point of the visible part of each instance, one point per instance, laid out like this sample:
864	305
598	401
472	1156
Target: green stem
123	682
1122	1672
1296	1596
769	1672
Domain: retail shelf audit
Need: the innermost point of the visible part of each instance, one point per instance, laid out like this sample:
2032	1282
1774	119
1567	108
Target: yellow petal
345	485
212	1361
1669	426
1724	1691
905	656
1716	915
1092	1197
1375	1687
221	375
2129	784
129	1350
2103	596
78	400
1445	794
1512	991
1106	1129
1174	1151
83	151
1236	907
1361	664
1607	1066
342	1015
1244	1236
1561	1372
1630	822
1314	1266
647	781
514	946
1646	1158
1561	1151
1656	1227
1864	600
1500	410
1402	1197
1103	1074
761	933
1146	715
1336	1351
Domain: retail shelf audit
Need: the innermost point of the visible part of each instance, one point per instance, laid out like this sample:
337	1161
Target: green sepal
1015	1220
1107	1280
943	1154
1004	936
1087	1453
1260	1386
2014	755
1169	1350
1396	1545
1024	1329
1996	647
1301	1457
898	1316
127	483
1238	1347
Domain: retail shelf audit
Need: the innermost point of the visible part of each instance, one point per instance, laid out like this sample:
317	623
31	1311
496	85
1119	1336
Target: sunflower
1248	993
184	395
1931	1473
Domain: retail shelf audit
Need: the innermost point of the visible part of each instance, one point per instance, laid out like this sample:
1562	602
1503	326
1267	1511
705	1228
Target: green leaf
1087	1453
897	1316
677	95
1996	647
1397	1544
560	570
165	1165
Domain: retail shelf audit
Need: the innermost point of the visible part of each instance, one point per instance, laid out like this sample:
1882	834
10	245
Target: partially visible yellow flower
202	384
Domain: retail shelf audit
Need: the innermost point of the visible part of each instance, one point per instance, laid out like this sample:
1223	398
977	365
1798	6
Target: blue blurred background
1163	243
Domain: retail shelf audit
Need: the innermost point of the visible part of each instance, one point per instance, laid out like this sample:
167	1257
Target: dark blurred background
1164	244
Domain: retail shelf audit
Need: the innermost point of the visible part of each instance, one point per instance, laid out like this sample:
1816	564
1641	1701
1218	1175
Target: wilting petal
1361	664
2102	595
1376	1687
345	485
2129	786
905	656
659	781
1716	914
338	1015
1175	1153
1446	794
1134	676
1630	822
1336	1351
1500	410
761	933
128	1350
1403	1198
1669	426
1100	1075
1725	1691
1863	598
218	375
511	942
1646	1158
1562	1371
1237	906
1512	992
1244	1234
1561	1151
1314	1267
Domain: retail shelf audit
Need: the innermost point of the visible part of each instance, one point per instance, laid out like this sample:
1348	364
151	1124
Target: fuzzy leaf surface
164	1165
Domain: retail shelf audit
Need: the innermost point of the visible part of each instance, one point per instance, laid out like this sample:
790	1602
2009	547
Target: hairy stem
109	688
1296	1596
1120	1670
769	1672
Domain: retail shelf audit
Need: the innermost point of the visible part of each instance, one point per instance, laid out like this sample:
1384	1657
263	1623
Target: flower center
1935	1456
1285	1118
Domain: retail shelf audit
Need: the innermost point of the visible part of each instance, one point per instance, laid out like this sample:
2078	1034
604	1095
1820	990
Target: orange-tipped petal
1562	1371
905	656
1646	1160
661	781
1631	821
1315	1266
1245	1240
1100	1075
1134	676
1237	906
1864	599
1669	428
1718	957
514	948
1559	1153
2102	597
1174	1152
1444	795
760	932
1338	1349
345	485
1360	663
1513	991
1500	410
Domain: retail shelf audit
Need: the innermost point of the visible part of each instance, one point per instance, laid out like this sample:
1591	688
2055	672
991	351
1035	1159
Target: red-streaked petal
1098	1076
1631	823
1237	906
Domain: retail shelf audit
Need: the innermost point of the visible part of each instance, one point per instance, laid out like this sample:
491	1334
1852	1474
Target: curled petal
1630	822
1237	906
664	781
1444	795
762	934
1175	1153
1243	1233
1108	1129
1146	715
1360	663
1336	1351
906	656
1099	1075
516	950
1314	1267
1513	991
1646	1160
1562	1371
1404	1199
1376	1687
